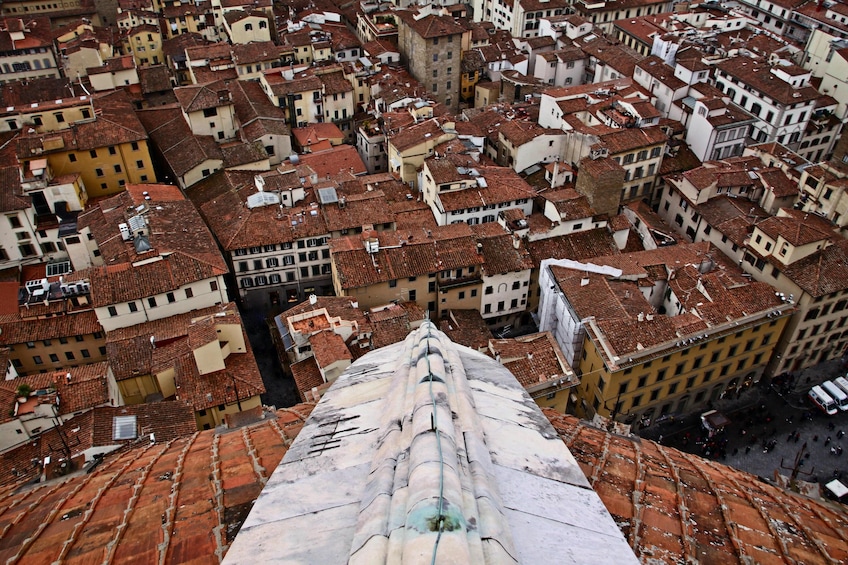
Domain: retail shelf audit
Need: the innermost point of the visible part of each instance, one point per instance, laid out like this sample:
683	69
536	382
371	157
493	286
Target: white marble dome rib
427	448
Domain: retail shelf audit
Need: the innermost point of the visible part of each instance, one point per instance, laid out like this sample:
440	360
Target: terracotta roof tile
170	133
758	76
328	347
116	124
533	359
466	327
307	376
403	254
331	162
628	321
823	272
177	234
628	139
674	507
578	246
17	330
432	25
499	250
181	501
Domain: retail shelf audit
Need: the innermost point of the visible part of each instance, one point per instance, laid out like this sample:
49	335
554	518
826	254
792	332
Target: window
85	353
113	311
93	153
171	297
152	301
37	359
70	355
54	358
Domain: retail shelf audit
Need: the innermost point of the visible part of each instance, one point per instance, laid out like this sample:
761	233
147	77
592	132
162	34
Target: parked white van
837	394
821	399
842	383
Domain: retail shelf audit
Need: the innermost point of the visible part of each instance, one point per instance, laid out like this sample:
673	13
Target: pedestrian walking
815	438
839	434
748	449
827	440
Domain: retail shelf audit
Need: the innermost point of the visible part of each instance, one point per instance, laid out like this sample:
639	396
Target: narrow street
280	388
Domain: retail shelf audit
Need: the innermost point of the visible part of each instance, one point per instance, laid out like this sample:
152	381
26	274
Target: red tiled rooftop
178	501
183	501
674	507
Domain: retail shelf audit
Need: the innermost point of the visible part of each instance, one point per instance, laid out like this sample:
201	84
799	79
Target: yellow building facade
678	381
662	332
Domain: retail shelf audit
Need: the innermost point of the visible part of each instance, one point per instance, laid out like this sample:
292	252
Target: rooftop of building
403	253
173	231
222	196
534	359
759	76
432	25
115	123
169	345
709	293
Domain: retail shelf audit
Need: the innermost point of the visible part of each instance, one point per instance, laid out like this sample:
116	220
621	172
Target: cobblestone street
757	440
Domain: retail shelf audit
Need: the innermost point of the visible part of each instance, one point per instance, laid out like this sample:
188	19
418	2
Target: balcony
446	283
